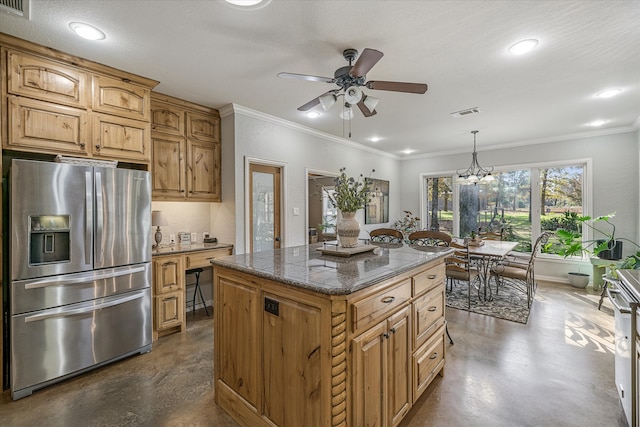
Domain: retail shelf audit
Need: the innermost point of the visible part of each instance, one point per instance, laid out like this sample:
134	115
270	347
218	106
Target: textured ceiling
213	54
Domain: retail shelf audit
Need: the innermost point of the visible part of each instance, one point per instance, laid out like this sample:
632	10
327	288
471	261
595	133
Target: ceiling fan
350	79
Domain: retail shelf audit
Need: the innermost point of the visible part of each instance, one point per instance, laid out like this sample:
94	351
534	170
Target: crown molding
231	109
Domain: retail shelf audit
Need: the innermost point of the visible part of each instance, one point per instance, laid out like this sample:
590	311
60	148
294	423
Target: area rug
509	304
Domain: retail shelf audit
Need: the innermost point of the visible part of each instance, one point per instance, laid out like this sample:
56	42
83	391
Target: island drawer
368	310
202	259
428	279
427	362
428	315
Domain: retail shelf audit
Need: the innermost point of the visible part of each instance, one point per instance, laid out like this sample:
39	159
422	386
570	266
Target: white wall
259	136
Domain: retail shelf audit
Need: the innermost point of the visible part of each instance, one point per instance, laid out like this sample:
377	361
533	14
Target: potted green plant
348	196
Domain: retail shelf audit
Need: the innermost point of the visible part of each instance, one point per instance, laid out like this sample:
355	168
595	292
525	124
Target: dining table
487	255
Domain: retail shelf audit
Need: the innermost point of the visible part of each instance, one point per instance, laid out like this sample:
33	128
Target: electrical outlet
205	234
172	238
194	237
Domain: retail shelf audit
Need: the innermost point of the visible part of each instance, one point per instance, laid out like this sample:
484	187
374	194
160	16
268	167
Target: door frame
309	191
248	161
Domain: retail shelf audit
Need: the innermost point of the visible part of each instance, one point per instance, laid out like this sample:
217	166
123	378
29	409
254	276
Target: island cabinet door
369	376
292	352
399	371
237	361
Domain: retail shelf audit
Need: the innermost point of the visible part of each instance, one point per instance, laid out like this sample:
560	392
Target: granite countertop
193	247
306	267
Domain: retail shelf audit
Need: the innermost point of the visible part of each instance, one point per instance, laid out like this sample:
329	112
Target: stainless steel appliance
80	269
625	297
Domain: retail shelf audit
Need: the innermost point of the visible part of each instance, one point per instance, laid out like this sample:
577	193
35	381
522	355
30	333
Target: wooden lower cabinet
169	310
381	386
290	357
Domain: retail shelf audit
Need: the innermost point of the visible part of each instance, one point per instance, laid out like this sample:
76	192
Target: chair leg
197	290
446	329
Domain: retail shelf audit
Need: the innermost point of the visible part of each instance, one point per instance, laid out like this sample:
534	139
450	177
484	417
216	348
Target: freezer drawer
50	345
47	292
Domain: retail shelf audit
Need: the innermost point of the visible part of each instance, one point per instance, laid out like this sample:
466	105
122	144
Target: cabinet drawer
376	306
428	315
428	279
427	362
202	259
46	80
168	274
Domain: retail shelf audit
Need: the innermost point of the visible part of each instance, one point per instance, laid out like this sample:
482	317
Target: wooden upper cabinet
167	118
203	170
186	150
203	127
120	138
168	166
40	78
43	126
121	98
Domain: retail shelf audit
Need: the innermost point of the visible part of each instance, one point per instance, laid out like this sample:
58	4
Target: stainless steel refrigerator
80	293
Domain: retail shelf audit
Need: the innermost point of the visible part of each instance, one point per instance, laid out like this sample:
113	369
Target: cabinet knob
386	335
98	147
393	330
82	145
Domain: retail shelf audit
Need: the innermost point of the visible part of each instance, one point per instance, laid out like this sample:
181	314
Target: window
506	204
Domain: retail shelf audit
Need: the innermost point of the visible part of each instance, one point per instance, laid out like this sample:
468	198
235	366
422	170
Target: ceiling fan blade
397	86
367	59
309	105
306	77
365	110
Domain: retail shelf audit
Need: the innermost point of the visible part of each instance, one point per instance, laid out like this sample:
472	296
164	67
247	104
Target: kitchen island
308	338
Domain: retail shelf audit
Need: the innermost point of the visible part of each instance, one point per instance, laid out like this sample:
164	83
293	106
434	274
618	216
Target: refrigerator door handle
52	314
99	223
88	212
82	278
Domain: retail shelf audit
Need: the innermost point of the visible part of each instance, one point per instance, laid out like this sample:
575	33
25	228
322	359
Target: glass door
265	185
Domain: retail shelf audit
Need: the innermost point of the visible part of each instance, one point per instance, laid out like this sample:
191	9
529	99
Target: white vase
578	280
348	230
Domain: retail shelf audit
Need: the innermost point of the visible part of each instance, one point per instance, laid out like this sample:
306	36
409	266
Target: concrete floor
555	371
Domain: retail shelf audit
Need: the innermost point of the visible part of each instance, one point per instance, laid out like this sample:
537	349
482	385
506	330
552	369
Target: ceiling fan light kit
351	79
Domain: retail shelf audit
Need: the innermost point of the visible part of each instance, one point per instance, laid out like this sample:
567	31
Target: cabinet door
237	310
39	78
167	118
292	360
168	274
369	377
121	98
46	127
122	139
169	175
169	311
203	127
203	171
399	374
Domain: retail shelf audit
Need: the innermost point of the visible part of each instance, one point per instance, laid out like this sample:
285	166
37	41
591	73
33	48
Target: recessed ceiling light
408	151
608	93
523	46
87	31
312	114
597	123
247	4
374	139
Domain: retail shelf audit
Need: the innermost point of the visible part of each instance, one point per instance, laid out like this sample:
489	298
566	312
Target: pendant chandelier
475	173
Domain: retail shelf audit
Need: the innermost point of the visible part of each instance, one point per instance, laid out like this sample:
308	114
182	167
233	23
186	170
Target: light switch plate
194	237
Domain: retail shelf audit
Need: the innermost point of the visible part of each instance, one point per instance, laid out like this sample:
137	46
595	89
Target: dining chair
429	238
460	269
386	235
519	272
490	235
